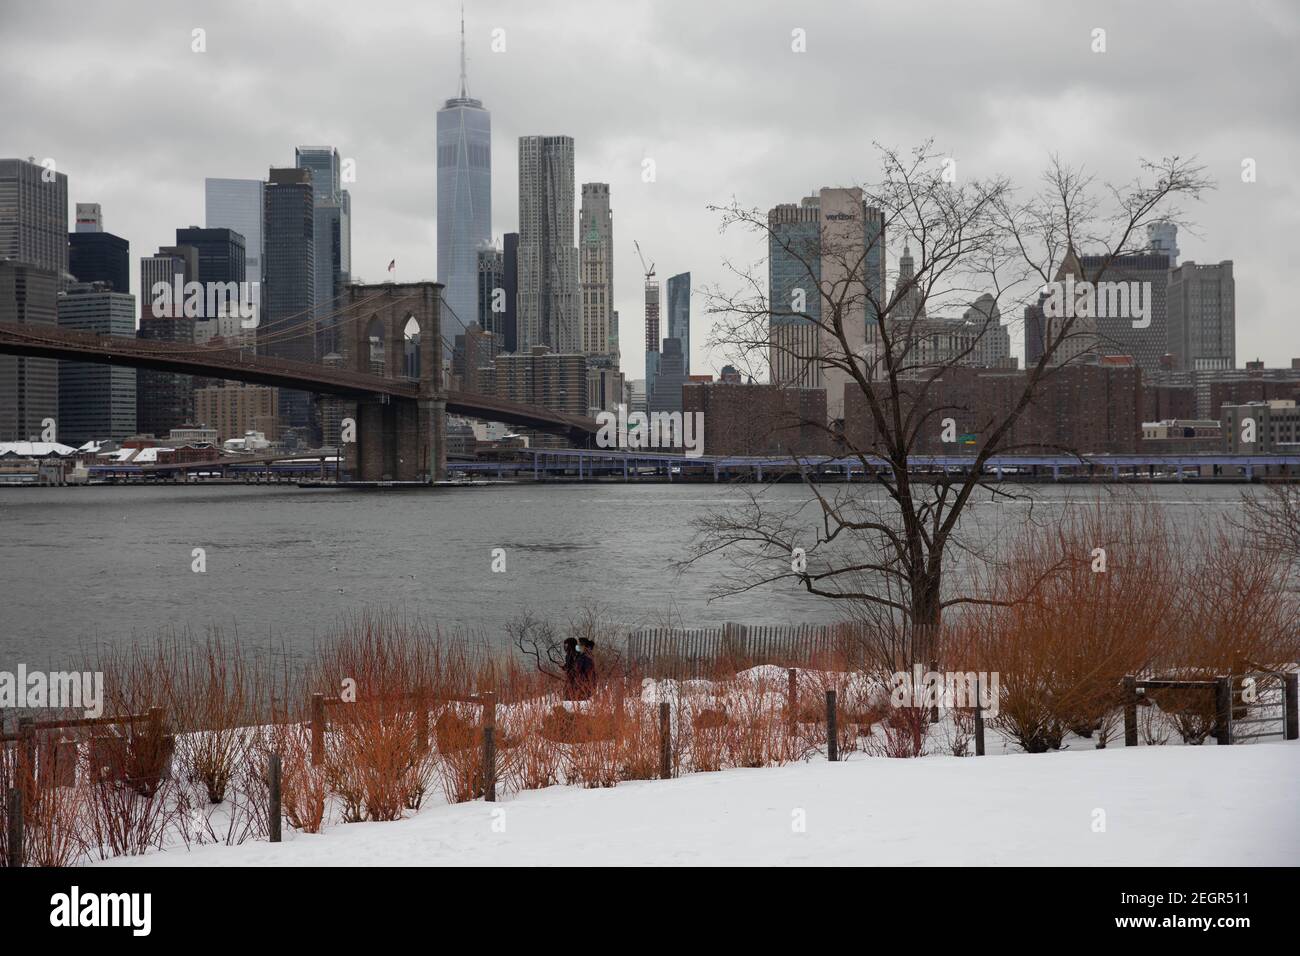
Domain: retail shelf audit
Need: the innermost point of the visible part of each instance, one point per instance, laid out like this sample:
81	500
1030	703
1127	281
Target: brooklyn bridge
400	418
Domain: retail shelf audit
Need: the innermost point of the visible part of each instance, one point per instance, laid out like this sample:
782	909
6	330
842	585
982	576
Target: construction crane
649	273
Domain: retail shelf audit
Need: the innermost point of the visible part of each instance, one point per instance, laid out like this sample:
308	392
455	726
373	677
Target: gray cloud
710	90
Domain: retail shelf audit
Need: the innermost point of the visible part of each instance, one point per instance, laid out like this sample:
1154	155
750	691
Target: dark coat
585	676
570	668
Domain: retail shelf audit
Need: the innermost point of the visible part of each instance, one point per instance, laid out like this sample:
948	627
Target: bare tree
826	319
1272	519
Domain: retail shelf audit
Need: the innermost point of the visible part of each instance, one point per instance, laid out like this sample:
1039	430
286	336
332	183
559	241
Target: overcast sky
710	90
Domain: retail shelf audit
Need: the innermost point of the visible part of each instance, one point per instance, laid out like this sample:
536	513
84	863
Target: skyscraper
1116	334
165	400
33	268
666	394
464	200
238	204
1203	316
679	316
333	242
100	257
29	387
1162	237
96	401
221	254
491	292
812	246
596	262
651	332
34	215
548	305
510	264
286	328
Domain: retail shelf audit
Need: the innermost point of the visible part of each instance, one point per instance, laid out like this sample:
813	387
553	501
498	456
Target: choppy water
83	565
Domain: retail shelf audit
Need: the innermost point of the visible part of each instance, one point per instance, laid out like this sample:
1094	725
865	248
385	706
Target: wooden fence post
489	701
1130	711
1223	710
274	821
27	743
979	717
1291	704
792	695
934	708
489	764
832	732
15	827
317	729
665	741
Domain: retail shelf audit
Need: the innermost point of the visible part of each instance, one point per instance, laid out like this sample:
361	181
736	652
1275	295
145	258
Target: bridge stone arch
397	439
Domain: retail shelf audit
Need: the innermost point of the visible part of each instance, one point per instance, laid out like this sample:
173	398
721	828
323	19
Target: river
285	565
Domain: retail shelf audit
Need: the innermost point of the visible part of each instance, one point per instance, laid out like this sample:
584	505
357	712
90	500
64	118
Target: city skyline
702	150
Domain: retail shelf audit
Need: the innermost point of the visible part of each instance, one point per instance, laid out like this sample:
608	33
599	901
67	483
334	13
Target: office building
221	253
287	329
813	245
679	315
666	393
510	262
491	293
1121	331
1203	317
548	302
34	216
29	387
1261	428
332	241
464	200
165	400
239	205
33	268
100	257
234	409
96	402
596	265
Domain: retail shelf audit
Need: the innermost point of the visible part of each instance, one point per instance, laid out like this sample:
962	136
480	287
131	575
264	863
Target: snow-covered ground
1162	806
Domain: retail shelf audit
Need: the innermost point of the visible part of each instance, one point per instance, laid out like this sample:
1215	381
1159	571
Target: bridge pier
398	439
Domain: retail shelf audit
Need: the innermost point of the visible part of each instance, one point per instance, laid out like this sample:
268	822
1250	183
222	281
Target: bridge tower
397	439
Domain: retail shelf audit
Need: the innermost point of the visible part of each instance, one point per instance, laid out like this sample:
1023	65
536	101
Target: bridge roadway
46	341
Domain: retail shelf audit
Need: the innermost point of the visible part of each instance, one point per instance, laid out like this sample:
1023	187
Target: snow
1178	806
35	449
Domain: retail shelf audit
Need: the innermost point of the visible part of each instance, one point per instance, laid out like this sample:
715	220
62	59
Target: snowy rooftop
35	449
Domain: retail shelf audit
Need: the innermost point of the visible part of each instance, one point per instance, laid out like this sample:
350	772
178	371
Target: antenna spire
464	83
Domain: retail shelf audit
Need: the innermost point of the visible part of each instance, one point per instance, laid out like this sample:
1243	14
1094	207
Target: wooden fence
695	653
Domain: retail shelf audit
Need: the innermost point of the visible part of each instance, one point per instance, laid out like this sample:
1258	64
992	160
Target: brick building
1088	409
759	419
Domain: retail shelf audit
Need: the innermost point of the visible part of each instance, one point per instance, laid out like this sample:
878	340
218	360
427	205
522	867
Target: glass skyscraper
237	204
333	239
679	315
290	274
464	201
